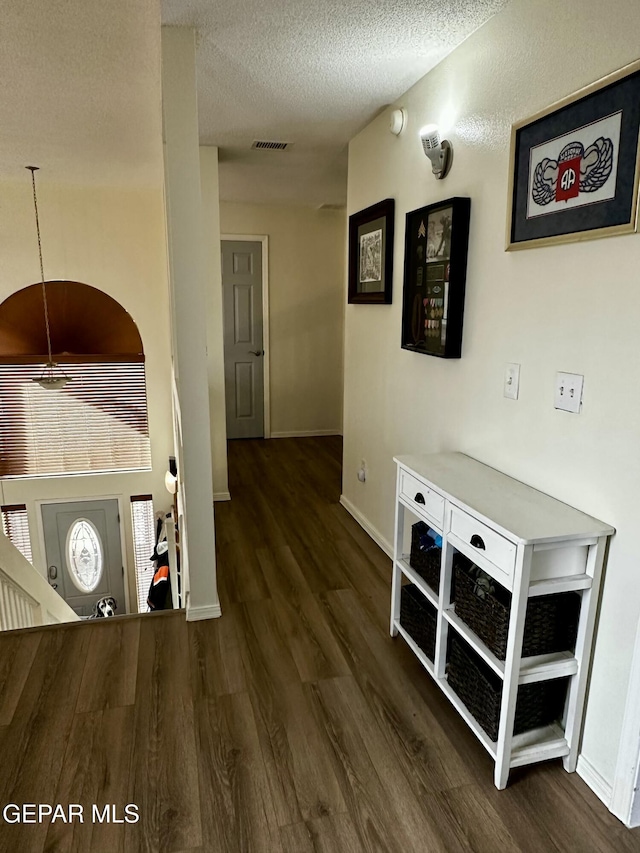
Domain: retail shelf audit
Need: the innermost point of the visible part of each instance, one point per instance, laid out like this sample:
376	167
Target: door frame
264	240
123	549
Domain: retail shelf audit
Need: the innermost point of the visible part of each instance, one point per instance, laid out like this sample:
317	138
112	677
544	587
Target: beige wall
573	308
215	348
112	239
306	309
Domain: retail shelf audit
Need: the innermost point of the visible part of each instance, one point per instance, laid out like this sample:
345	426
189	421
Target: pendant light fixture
53	376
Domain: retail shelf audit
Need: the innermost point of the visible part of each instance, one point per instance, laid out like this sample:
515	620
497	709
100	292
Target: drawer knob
477	541
419	498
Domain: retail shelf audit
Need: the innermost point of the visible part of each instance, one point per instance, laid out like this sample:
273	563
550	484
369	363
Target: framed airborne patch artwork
574	166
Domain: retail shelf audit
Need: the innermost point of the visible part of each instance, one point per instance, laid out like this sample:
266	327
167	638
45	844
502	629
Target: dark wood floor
293	724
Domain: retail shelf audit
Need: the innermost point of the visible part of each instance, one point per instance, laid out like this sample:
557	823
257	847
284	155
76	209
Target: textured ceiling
312	73
80	94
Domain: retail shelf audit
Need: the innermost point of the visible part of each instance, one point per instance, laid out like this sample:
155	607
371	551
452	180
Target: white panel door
243	353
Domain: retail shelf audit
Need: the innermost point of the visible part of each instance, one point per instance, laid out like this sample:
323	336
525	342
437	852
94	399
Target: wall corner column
188	282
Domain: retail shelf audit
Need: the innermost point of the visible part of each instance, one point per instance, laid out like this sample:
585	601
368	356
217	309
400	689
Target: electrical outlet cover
568	392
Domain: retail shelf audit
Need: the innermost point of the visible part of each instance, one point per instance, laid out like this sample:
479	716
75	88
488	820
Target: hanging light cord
33	170
52	377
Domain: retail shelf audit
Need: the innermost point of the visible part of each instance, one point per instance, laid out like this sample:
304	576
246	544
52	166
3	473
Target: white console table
532	545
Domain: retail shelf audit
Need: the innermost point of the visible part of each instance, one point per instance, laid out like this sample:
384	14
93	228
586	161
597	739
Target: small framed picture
574	166
435	271
371	254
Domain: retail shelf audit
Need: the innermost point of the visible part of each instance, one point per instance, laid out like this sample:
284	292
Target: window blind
15	526
144	540
95	424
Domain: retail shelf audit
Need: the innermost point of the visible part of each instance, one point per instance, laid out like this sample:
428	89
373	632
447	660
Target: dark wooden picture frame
575	166
371	254
435	271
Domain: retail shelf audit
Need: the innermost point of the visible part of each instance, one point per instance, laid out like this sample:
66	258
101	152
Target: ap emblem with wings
575	171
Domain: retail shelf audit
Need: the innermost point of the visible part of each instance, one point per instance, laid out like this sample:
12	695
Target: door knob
256	351
54	586
53	572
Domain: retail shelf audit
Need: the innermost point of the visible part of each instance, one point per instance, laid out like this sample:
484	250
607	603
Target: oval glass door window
84	555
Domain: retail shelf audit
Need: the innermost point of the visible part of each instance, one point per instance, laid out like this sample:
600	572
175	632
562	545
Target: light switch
512	381
568	393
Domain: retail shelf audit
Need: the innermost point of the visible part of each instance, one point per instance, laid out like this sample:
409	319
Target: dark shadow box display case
435	270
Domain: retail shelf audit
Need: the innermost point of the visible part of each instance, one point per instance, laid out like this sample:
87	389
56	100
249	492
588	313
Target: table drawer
422	498
483	540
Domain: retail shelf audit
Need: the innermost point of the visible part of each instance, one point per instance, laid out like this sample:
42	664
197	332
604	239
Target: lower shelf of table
527	748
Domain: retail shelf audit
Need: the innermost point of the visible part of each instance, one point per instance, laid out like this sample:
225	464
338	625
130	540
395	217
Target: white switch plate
568	392
512	381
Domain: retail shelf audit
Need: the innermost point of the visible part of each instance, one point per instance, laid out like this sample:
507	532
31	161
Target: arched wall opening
98	422
85	323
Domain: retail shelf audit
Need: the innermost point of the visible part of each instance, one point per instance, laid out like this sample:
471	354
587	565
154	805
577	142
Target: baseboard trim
373	532
209	611
600	787
221	496
309	433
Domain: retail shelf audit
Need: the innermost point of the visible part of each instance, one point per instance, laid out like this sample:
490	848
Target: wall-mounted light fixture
439	151
171	476
170	482
397	121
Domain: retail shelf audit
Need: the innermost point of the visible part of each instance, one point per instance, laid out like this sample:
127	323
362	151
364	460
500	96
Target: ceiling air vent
263	145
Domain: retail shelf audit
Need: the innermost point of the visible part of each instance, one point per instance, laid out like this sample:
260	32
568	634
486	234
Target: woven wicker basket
480	689
418	618
551	623
425	555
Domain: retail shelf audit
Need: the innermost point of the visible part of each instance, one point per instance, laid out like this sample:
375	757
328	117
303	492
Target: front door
243	353
84	553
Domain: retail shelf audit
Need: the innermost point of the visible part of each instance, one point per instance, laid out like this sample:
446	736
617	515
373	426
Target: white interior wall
112	239
572	308
215	344
188	278
306	311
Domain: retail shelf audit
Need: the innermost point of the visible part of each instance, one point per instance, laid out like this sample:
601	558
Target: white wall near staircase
112	238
